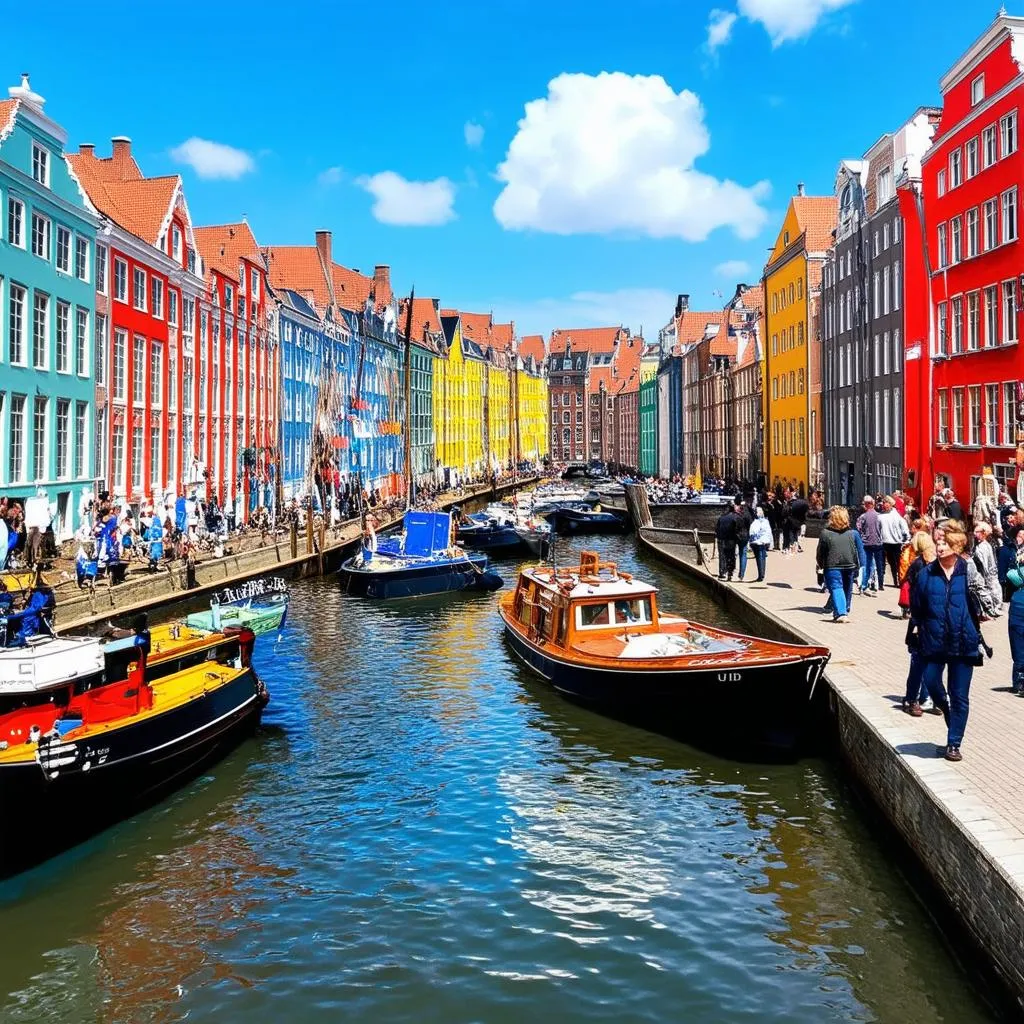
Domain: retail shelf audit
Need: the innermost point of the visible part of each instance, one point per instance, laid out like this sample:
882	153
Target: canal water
423	831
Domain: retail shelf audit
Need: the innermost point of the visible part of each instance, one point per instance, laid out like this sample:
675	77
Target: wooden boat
598	636
80	759
260	605
421	563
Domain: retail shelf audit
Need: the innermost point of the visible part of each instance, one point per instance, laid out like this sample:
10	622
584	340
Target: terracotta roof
816	216
532	345
504	335
351	289
222	246
424	317
477	327
139	205
7	109
121	166
692	325
298	268
592	339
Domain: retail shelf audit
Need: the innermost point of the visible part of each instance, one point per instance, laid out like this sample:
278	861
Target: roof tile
223	246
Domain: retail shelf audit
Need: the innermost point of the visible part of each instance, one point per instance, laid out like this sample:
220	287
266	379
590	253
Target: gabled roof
532	345
222	246
298	268
692	325
593	339
504	335
425	317
816	216
476	327
351	289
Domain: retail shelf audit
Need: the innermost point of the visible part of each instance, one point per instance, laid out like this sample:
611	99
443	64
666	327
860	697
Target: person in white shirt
895	533
37	522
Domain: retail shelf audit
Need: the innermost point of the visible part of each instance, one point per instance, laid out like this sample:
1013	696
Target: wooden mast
408	401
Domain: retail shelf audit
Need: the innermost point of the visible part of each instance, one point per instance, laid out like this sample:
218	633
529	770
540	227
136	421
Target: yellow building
459	378
792	388
531	409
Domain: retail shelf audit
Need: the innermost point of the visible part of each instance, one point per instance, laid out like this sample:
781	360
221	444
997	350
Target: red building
235	381
970	181
148	287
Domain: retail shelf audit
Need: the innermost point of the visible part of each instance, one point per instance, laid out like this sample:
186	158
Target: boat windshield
623	612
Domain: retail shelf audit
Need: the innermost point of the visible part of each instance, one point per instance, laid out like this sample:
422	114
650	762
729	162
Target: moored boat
567	520
598	636
487	531
260	605
422	562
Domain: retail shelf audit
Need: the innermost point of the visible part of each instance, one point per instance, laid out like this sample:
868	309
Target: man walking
870	530
894	533
726	530
797	512
743	521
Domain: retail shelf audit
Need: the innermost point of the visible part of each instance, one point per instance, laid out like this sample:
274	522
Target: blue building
47	298
669	416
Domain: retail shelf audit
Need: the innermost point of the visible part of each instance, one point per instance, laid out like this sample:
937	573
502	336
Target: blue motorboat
568	519
483	531
421	562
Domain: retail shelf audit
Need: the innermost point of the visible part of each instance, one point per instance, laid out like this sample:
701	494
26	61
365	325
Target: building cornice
1004	27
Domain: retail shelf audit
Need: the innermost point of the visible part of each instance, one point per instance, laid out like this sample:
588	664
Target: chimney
121	146
800	188
381	280
323	244
682	304
86	148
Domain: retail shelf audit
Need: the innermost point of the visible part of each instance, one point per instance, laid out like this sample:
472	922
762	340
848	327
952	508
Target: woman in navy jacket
946	615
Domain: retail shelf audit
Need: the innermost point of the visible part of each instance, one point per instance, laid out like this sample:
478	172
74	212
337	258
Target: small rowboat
259	605
598	636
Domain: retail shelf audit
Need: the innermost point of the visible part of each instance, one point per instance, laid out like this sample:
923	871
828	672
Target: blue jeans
840	588
761	558
876	561
743	558
916	690
1015	624
956	703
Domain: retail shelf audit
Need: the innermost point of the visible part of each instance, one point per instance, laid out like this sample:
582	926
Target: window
955	168
885	290
16	222
156	297
977	90
63	438
943	247
41	236
1009	411
972	158
941	183
1009	311
39	442
82	258
137	467
876	292
81	438
81	341
958	415
877	244
172	307
117	447
897	285
176	242
991	237
991	315
40	330
120	280
1009	223
139	370
119	364
958	326
1008	134
100	345
988	146
885	235
63	337
101	269
974	415
63	249
972	232
956	237
566	416
254	288
896	229
139	288
973	322
40	164
942	337
154	459
17	440
156	375
16	325
991	413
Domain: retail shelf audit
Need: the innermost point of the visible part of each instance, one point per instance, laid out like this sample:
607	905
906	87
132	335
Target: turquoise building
47	307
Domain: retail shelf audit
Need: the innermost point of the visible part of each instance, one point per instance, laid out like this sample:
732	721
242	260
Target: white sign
914	352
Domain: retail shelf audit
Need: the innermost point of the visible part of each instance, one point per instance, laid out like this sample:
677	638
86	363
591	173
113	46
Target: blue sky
398	127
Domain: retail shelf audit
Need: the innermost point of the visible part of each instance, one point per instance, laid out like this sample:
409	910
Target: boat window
562	610
547	620
632	612
590	615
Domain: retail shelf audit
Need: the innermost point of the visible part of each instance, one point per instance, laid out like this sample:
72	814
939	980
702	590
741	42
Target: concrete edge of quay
946	824
164	589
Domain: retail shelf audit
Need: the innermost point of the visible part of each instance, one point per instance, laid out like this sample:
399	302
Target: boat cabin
594	599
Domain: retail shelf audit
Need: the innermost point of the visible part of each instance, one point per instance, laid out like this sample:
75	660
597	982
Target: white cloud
410	203
733	269
474	134
331	176
616	153
720	25
649	308
213	159
786	20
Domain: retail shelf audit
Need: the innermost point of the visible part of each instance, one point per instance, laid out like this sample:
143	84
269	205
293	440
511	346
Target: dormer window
176	243
241	277
41	164
977	90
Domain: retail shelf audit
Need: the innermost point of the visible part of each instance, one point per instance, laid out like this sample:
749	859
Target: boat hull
420	580
90	784
568	521
497	538
760	708
259	620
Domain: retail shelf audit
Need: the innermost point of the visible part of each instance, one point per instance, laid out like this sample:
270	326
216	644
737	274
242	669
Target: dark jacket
726	528
743	521
869	528
954	511
945	612
837	549
797	511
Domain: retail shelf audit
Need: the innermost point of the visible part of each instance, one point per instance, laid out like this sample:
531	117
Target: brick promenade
985	791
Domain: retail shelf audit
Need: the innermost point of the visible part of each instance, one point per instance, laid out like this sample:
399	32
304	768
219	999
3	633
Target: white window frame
63	234
989	147
977	90
139	292
16	207
102	262
81	341
1008	215
940	183
973	231
990	225
1008	141
956	168
973	159
46	233
121	294
1009	296
82	249
41	159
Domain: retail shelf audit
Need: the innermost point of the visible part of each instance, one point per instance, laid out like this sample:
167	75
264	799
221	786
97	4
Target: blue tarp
427	532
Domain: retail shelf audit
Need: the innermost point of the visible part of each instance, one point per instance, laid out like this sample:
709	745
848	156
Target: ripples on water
422	831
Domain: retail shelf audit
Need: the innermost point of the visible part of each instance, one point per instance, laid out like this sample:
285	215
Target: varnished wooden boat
598	636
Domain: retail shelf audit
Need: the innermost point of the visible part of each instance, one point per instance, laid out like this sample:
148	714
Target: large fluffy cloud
410	203
213	159
616	153
786	20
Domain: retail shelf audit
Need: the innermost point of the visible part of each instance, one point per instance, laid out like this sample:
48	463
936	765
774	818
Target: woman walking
923	549
837	558
946	614
760	542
